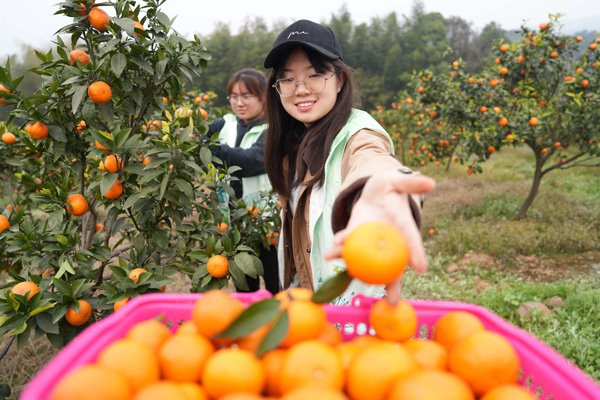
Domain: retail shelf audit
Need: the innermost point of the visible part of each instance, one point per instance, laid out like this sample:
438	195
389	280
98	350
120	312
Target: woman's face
244	104
303	105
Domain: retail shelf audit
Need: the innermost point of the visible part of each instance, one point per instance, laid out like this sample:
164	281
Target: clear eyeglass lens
315	83
245	98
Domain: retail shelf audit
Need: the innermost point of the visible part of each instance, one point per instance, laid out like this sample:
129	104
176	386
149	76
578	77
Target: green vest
321	205
253	185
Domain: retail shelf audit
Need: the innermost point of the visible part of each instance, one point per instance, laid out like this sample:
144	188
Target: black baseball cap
306	33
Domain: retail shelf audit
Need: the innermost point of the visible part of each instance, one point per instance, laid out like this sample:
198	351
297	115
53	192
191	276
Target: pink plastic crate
545	372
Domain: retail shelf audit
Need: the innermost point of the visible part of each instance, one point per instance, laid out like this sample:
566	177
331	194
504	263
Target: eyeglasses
246	98
315	83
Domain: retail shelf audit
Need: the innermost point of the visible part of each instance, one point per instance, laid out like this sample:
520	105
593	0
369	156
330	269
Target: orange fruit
222	227
543	26
330	335
233	371
162	390
117	306
99	92
367	382
272	363
491	149
494	82
98	145
503	71
98	18
484	360
252	341
37	130
23	288
306	319
155	125
140	27
115	191
214	311
314	392
533	121
8	138
193	391
430	385
134	275
205	97
78	203
593	46
578	38
482	109
99	227
2	88
147	160
113	163
503	121
77	318
218	266
396	323
79	55
204	113
311	363
198	100
427	353
376	253
4	223
83	10
585	83
152	333
504	48
92	382
243	396
188	327
182	358
508	392
346	352
80	126
132	359
454	326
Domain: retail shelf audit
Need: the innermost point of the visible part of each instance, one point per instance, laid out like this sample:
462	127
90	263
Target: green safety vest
321	205
253	185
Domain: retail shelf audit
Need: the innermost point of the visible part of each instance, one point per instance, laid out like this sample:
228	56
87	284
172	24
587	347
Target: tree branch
5	350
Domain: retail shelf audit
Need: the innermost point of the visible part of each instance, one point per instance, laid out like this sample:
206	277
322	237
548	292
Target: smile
306	104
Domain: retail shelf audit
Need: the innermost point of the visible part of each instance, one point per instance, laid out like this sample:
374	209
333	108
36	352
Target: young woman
242	144
332	165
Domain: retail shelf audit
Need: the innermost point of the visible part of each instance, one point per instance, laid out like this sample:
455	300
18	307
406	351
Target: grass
500	262
552	252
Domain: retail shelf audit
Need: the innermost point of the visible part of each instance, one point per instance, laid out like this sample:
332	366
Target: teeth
305	104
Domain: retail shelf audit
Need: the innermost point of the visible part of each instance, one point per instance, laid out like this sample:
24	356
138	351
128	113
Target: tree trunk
533	191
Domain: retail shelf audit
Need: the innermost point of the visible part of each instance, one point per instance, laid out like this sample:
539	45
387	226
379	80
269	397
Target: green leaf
236	236
275	335
205	156
238	276
77	98
107	181
184	134
62	286
57	133
163	19
332	288
244	261
126	24
252	318
163	186
62	239
107	113
161	239
118	63
161	66
44	321
42	309
119	272
88	112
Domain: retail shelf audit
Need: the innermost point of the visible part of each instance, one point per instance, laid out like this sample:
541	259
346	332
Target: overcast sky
32	22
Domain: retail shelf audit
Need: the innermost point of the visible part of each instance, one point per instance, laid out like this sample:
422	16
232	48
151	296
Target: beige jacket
366	153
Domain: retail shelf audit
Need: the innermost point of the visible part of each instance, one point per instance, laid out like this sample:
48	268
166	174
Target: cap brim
276	51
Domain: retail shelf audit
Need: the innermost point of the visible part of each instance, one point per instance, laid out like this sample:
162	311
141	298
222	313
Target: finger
414	184
334	252
393	292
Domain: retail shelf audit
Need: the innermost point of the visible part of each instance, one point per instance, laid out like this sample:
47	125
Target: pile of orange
463	361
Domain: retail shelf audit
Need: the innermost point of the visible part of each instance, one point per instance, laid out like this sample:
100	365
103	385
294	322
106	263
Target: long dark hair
287	138
254	80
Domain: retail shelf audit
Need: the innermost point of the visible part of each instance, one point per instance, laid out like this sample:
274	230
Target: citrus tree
540	93
112	184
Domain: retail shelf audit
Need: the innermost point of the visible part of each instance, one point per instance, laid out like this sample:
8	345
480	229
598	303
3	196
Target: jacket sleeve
215	126
251	160
366	153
